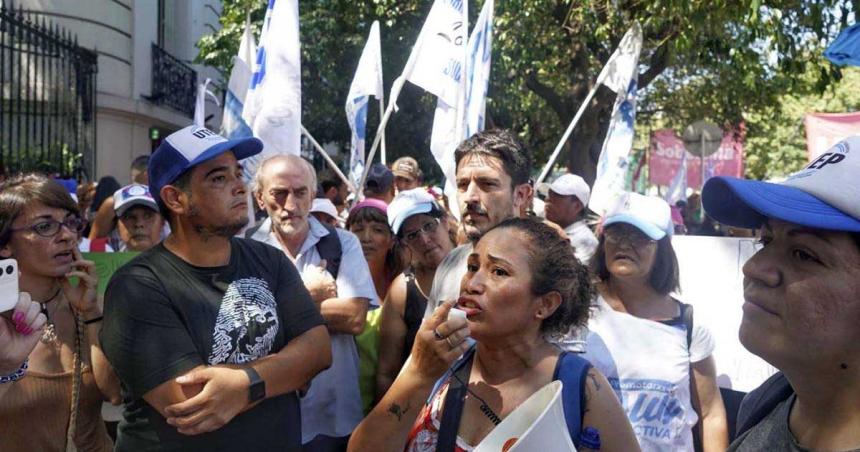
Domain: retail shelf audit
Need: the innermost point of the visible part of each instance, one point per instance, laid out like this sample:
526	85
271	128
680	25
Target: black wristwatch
257	389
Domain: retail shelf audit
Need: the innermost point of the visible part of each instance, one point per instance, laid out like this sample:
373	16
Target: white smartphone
8	284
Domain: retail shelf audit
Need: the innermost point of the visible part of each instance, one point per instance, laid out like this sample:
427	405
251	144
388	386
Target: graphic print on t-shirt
247	323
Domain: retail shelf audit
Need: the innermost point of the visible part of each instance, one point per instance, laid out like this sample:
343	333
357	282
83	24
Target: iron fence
174	83
47	97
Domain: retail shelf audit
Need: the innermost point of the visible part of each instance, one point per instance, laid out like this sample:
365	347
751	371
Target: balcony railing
174	83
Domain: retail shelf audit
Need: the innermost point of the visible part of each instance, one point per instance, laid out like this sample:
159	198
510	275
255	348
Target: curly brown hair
555	269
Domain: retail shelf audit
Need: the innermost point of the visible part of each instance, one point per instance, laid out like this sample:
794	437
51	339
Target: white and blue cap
824	195
408	203
132	195
189	147
649	214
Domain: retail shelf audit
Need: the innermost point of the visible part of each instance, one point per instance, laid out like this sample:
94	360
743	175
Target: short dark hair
555	269
24	189
664	277
328	179
140	163
393	260
503	145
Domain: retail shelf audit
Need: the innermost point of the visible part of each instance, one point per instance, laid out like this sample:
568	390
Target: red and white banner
667	150
826	129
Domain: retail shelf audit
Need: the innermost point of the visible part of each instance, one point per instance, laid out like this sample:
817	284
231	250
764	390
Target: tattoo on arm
396	410
594	381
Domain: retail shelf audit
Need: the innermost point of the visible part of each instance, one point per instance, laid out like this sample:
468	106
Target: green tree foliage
721	60
776	137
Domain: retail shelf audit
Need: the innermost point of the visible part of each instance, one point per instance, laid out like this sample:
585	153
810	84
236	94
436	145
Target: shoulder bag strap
687	318
452	411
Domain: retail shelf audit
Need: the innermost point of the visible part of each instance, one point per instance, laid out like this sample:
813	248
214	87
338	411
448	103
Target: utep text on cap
823	195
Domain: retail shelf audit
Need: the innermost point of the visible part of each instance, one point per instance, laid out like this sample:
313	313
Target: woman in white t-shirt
638	334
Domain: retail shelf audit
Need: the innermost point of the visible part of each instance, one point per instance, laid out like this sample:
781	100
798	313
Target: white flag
436	64
619	74
232	124
478	75
273	102
436	61
678	187
366	82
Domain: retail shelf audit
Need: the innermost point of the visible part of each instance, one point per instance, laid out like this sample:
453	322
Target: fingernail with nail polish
17	317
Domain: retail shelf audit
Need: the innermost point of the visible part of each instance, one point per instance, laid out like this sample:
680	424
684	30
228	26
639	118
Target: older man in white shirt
285	187
565	206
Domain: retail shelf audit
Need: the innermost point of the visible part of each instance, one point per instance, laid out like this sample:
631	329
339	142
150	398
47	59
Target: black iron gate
47	98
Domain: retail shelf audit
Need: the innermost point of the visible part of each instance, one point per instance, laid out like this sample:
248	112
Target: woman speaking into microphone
522	284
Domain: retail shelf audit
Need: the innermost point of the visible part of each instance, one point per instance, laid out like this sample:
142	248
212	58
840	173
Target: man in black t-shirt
210	335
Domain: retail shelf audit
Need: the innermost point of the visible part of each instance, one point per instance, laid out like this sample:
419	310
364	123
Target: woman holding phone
68	377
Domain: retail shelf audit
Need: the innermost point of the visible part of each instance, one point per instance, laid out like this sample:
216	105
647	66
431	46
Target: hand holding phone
8	284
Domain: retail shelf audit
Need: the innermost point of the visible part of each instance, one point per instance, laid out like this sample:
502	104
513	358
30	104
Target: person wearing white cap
324	210
802	308
644	339
421	228
138	224
565	206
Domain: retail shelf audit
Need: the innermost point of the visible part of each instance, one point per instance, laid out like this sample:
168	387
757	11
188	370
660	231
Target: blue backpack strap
572	370
448	373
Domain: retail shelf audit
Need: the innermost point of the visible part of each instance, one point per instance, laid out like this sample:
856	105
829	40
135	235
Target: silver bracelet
15	376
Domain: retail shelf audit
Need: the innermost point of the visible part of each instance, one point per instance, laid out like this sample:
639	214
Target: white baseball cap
649	214
324	205
132	195
408	203
572	185
824	195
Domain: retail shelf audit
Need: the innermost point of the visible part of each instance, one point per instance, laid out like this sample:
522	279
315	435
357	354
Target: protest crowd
264	304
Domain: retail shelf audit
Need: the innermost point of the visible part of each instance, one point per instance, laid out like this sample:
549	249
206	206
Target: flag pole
395	91
328	159
582	107
381	116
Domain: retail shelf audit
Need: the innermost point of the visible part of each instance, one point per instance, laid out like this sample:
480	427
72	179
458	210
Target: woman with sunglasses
422	231
57	405
645	341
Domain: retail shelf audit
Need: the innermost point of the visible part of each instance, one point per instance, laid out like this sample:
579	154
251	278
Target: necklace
49	335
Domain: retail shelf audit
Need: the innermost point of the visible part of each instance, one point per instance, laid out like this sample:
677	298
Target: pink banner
667	149
826	129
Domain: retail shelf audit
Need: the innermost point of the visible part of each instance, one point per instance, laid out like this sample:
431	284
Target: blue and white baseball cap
130	196
408	203
649	214
824	195
189	147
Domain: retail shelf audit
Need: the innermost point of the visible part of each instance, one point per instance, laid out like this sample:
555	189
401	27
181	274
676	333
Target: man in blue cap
802	301
210	335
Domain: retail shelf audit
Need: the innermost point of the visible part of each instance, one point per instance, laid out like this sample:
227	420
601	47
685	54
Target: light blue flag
620	74
478	76
232	124
366	82
272	106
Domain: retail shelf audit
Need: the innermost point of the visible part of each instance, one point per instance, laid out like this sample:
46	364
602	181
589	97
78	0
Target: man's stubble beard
207	230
